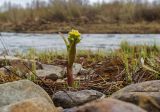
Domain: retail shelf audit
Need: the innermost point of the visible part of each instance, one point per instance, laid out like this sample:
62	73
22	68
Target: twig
38	78
13	72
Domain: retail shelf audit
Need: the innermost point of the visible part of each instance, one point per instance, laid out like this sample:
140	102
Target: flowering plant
74	37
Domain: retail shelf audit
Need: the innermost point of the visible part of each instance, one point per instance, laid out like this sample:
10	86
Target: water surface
22	42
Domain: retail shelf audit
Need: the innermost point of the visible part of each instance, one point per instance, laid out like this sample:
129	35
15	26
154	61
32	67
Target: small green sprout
74	37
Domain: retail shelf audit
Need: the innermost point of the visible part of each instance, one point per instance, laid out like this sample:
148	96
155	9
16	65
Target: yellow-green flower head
74	36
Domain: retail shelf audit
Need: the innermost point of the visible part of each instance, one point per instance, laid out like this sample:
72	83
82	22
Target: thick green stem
70	79
71	59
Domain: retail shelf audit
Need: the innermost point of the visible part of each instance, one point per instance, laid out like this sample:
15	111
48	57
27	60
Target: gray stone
70	99
77	68
9	70
6	60
30	105
6	70
56	72
51	72
106	105
27	64
47	74
145	94
18	63
20	90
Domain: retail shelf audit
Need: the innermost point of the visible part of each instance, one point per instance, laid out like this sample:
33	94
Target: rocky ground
31	86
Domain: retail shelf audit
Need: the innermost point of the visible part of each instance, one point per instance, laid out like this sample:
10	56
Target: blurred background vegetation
80	12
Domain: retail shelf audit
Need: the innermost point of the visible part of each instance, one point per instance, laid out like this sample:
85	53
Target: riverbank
123	66
93	28
98	75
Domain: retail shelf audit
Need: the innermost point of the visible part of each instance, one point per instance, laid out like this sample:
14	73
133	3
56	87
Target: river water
23	42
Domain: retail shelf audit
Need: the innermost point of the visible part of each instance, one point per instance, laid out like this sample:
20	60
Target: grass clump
129	61
139	57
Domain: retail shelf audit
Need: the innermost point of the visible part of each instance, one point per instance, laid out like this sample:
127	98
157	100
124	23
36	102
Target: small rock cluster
145	95
23	68
10	65
25	96
140	97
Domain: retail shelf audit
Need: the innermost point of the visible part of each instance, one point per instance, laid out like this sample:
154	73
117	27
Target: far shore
137	28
